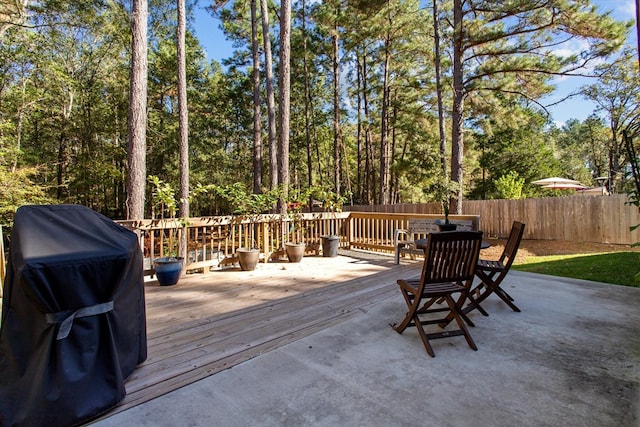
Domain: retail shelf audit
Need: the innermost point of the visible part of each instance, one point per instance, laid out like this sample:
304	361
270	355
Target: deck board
211	322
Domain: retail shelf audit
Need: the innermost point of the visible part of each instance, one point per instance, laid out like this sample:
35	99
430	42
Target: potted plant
442	190
331	202
248	207
295	246
168	267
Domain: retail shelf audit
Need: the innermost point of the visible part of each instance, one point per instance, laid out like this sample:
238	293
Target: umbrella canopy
556	181
595	191
564	186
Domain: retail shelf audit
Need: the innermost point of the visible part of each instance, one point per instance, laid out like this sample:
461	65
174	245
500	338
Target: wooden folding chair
491	273
448	269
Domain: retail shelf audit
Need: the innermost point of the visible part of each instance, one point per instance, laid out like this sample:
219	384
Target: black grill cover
73	316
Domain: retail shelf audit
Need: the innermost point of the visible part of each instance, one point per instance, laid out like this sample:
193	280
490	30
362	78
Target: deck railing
212	240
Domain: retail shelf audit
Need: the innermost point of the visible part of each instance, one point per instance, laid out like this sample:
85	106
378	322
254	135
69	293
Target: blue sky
218	48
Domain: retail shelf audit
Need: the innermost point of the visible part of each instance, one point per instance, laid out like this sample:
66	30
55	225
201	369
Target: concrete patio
571	358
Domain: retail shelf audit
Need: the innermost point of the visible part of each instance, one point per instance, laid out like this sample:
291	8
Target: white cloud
574	47
627	10
621	9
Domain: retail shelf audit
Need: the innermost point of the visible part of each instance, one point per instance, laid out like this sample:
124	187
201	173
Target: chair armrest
397	233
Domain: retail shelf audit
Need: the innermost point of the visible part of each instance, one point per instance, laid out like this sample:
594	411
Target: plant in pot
247	208
442	190
331	202
168	267
296	246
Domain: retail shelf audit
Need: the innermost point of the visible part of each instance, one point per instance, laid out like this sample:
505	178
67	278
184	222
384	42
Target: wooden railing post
266	249
349	222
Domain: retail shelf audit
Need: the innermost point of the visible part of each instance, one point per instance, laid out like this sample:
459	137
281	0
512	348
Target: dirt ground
552	247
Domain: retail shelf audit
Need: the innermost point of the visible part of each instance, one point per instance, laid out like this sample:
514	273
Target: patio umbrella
555	181
564	186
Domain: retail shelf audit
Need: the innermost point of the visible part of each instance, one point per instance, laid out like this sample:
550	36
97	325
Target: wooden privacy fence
600	219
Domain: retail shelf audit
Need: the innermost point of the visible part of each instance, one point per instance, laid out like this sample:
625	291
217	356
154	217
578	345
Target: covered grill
73	316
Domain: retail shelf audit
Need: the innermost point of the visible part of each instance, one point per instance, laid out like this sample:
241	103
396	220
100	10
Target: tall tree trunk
359	190
615	170
336	110
385	177
347	177
284	98
370	180
136	156
183	111
257	120
23	107
307	96
436	44
63	146
393	177
271	103
62	162
637	31
457	141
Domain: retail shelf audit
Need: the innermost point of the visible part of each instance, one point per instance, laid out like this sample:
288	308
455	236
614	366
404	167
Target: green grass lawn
613	267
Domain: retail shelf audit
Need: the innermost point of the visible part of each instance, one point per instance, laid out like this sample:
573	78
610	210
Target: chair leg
458	316
482	291
463	312
492	286
506	294
474	304
412	305
506	298
423	337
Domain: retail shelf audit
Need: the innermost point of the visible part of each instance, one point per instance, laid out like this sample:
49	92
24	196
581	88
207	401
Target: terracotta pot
248	258
295	251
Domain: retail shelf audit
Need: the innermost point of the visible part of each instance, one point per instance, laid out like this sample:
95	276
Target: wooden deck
211	322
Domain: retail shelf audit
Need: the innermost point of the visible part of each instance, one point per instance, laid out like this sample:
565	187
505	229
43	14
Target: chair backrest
513	243
451	256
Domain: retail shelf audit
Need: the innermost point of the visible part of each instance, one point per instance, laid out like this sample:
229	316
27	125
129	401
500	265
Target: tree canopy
363	106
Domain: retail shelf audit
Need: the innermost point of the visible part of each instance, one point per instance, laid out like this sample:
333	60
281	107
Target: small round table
422	244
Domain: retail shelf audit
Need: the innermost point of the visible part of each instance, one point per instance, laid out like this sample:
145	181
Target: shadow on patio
321	352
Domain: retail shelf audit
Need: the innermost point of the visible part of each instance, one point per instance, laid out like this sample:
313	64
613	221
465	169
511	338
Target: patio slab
571	358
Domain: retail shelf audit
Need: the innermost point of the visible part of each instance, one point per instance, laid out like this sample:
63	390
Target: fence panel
600	219
374	231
